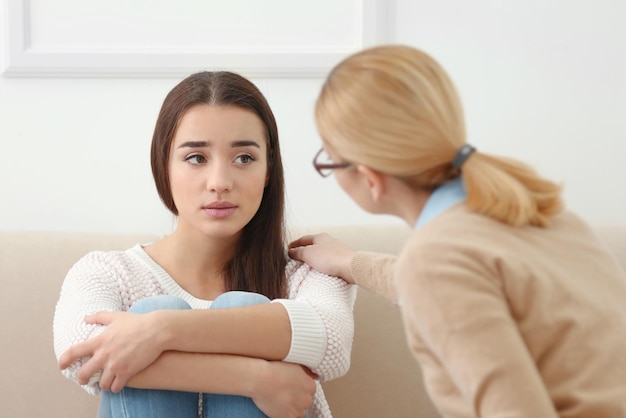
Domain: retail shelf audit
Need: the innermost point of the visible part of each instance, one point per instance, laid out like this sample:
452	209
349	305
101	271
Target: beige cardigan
510	322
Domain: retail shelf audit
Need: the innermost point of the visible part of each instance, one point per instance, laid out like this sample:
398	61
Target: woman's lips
219	209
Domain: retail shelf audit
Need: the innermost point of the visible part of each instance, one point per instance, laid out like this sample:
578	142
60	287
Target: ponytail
510	191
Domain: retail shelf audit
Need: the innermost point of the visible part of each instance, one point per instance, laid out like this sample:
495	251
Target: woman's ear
375	180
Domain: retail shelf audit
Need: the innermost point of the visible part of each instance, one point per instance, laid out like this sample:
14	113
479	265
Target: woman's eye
196	159
245	159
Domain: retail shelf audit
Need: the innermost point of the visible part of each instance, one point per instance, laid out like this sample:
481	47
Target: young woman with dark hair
219	321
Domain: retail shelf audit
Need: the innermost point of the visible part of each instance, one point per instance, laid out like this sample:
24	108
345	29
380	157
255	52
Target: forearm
195	372
277	388
260	331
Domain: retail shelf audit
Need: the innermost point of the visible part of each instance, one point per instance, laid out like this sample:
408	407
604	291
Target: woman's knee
238	298
160	302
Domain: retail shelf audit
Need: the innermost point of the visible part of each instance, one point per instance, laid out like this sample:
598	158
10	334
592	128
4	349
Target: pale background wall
541	80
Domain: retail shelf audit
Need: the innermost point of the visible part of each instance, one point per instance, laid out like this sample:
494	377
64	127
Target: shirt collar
442	198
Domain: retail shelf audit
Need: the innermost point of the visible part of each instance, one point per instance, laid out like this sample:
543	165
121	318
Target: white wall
542	81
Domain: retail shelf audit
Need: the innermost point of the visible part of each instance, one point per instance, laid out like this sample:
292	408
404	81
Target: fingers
102	318
74	353
311	239
297	253
302	241
108	377
106	380
85	348
299	247
117	385
110	381
90	368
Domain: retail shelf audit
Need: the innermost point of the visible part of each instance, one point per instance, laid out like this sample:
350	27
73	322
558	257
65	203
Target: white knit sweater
319	308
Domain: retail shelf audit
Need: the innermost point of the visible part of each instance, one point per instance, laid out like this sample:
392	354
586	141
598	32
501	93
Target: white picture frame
25	60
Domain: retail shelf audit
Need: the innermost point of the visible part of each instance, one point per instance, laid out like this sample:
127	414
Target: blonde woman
511	304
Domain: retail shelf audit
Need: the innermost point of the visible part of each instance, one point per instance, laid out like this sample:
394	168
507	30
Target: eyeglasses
324	165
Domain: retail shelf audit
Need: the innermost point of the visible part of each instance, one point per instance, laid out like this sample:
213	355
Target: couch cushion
32	268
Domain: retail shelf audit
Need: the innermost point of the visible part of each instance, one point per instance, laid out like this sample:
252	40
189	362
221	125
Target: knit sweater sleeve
322	320
89	287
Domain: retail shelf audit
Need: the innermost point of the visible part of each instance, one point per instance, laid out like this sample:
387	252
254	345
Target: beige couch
383	381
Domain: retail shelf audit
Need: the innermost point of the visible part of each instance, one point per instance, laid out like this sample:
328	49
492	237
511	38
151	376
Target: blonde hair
393	108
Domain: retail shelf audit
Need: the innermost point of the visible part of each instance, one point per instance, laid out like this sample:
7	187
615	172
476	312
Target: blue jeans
139	403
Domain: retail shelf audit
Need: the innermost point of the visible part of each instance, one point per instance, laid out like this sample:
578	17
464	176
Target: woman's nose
220	178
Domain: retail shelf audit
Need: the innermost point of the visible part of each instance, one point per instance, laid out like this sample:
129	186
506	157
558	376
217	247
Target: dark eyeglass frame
320	167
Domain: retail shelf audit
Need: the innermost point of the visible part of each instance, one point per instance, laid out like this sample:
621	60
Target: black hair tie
462	155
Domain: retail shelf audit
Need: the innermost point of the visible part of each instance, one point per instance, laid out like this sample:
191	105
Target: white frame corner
21	61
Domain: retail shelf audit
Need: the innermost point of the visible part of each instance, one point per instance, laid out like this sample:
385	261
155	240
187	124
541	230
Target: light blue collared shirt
444	197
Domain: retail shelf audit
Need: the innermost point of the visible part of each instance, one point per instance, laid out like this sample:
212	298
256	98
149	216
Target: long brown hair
260	259
394	108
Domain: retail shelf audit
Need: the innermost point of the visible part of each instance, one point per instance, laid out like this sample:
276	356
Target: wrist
347	274
360	268
259	370
166	330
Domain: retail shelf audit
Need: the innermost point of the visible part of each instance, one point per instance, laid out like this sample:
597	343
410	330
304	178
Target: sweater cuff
374	272
362	269
308	334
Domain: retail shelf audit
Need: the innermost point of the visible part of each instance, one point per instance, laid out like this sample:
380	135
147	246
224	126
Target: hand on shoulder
324	253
